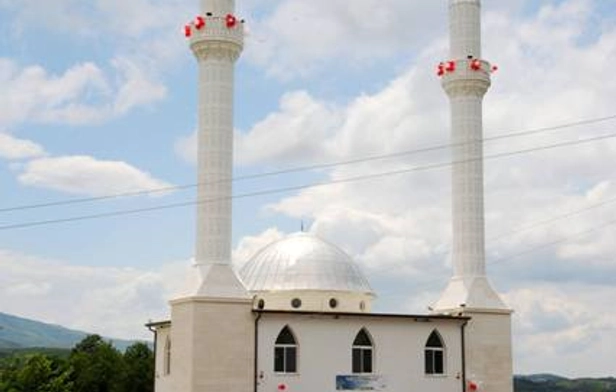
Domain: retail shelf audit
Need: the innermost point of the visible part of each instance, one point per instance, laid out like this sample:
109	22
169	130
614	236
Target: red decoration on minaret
472	386
282	387
231	21
187	31
451	66
440	70
476	65
199	22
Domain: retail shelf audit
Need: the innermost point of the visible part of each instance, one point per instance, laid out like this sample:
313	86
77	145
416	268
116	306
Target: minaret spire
216	40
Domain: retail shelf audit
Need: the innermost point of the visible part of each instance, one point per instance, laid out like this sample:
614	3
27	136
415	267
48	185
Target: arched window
167	359
285	352
362	352
435	354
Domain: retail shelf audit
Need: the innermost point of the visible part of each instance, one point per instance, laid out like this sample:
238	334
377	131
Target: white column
466	88
218	7
216	46
467	184
465	28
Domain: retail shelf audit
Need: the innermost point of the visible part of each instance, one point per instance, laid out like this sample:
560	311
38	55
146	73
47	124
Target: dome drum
314	301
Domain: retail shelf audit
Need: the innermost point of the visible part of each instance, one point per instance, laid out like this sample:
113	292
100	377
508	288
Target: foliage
559	384
93	365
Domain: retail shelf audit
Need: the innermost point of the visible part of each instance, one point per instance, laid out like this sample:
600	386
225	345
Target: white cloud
563	328
13	148
85	175
250	245
296	133
136	89
83	95
115	302
304	37
186	148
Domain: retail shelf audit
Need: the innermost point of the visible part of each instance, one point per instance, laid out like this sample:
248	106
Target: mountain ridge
19	332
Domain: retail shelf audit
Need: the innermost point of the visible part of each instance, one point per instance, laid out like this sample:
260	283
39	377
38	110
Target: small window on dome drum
261	304
296	303
333	303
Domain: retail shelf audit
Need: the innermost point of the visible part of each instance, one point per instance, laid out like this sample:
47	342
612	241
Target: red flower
231	21
282	387
494	68
451	66
187	31
199	22
476	65
472	386
440	70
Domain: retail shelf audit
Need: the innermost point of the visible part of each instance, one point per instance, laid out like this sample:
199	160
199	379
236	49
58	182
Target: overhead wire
299	169
506	259
301	187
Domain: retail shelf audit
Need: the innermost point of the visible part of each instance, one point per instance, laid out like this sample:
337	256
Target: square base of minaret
489	362
213	346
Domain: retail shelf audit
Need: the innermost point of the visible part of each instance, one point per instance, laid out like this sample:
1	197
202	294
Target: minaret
216	40
211	335
466	79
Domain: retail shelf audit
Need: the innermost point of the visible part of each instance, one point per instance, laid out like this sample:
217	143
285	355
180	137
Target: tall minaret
216	39
211	334
466	79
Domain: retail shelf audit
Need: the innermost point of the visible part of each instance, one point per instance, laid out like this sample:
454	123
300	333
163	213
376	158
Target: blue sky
99	98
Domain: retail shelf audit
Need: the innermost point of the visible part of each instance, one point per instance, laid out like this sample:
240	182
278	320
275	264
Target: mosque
298	316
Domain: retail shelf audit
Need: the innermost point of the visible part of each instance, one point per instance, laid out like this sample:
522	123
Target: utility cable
300	169
302	187
509	258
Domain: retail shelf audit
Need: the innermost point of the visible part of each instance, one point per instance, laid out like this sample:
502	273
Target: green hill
550	383
20	333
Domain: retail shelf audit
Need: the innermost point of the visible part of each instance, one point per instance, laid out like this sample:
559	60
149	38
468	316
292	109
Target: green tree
35	373
97	366
139	365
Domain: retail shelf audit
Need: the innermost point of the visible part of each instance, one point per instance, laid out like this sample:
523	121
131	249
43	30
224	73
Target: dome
303	262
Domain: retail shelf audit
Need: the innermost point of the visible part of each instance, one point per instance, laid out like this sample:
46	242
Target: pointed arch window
285	352
435	354
362	352
167	358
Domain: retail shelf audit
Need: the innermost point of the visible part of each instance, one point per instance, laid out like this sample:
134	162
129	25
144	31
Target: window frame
363	353
435	356
289	353
167	357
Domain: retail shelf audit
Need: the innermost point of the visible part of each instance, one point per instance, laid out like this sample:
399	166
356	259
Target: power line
533	225
550	244
300	187
299	169
509	258
552	219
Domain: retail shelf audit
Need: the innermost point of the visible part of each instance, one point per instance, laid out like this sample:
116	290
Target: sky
98	98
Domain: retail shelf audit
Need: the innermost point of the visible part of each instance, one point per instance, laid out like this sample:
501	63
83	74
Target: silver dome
303	261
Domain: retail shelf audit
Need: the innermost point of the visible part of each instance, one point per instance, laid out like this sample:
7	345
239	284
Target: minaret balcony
468	76
207	33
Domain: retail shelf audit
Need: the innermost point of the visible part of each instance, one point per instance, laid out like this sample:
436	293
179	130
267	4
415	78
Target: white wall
325	351
162	381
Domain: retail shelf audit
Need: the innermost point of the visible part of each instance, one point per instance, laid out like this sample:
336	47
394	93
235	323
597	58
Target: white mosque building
298	316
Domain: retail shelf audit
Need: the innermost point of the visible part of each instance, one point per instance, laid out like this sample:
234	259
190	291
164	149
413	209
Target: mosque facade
298	316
